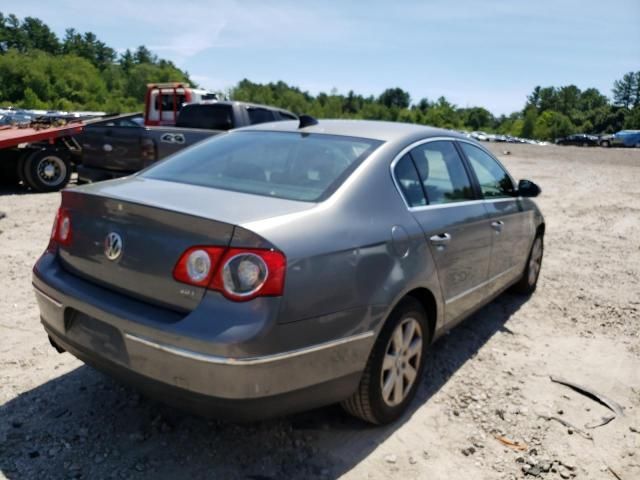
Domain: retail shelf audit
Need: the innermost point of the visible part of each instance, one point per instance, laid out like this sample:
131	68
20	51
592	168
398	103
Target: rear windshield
291	165
213	117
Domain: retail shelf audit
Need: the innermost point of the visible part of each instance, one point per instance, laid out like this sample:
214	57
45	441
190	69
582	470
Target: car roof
373	129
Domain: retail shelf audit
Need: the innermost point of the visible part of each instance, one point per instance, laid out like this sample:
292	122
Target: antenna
306	121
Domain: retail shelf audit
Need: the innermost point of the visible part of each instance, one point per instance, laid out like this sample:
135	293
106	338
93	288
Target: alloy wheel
401	361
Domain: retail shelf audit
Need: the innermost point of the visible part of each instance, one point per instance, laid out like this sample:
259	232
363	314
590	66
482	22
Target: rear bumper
206	380
238	409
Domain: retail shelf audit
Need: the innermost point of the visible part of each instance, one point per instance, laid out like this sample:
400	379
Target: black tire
529	281
368	402
47	170
605	144
21	170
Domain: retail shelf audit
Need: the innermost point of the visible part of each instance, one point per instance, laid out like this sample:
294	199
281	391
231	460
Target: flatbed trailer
39	156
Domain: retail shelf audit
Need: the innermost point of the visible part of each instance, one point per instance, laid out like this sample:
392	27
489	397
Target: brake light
61	233
197	264
239	274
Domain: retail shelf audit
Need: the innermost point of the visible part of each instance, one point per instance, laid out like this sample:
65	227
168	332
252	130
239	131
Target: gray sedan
287	266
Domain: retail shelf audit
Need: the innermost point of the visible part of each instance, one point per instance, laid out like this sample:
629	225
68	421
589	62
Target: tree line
549	112
79	72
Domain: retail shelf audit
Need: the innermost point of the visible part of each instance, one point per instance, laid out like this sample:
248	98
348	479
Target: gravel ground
483	405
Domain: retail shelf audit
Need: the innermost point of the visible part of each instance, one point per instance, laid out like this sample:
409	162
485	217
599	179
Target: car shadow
84	425
13	190
21	189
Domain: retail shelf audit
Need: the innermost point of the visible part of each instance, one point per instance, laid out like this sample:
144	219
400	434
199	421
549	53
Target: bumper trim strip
216	359
44	295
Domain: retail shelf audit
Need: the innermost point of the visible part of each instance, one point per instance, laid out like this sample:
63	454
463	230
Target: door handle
440	240
497	226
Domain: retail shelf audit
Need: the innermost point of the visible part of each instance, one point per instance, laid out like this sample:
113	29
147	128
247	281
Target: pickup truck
122	144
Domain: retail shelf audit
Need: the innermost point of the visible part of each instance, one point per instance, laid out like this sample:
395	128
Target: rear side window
260	115
213	117
493	179
290	165
442	173
287	116
409	182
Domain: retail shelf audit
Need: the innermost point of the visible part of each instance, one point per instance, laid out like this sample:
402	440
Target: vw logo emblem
113	246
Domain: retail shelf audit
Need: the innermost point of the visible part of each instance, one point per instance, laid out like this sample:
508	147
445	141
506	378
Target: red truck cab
163	101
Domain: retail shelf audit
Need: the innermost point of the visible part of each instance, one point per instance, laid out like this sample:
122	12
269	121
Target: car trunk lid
156	221
151	242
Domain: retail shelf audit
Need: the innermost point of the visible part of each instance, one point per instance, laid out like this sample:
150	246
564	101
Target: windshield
290	165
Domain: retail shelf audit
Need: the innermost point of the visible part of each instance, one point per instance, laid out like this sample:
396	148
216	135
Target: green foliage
78	73
551	125
395	98
625	90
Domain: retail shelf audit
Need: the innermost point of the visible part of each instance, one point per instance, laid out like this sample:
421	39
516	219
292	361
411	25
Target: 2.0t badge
113	246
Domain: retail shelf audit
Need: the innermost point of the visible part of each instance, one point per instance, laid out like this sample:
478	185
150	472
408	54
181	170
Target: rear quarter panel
341	256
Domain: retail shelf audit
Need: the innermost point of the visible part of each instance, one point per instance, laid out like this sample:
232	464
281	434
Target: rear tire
47	170
605	144
529	281
395	366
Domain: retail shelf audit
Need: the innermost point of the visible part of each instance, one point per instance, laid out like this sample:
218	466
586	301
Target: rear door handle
497	226
440	240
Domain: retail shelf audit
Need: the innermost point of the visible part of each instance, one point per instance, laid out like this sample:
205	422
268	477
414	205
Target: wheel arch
427	300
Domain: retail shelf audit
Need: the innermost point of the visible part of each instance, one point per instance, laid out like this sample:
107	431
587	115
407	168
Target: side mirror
526	188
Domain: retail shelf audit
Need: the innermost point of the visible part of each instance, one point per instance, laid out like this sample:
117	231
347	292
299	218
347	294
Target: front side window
290	165
409	182
494	180
442	173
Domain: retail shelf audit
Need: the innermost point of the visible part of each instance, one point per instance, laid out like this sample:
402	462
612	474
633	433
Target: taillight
239	274
246	274
61	233
197	264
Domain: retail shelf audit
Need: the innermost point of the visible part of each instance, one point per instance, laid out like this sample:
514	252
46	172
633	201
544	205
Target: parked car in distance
605	140
626	138
16	118
121	145
481	136
287	265
579	139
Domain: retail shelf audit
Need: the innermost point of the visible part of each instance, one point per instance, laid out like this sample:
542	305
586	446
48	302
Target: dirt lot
487	379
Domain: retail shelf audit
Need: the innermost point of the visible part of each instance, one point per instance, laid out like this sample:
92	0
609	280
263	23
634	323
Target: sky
489	53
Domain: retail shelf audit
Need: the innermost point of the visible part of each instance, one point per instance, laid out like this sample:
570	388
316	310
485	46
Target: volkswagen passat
287	266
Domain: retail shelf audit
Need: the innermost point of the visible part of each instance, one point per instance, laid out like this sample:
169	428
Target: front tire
395	366
529	281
